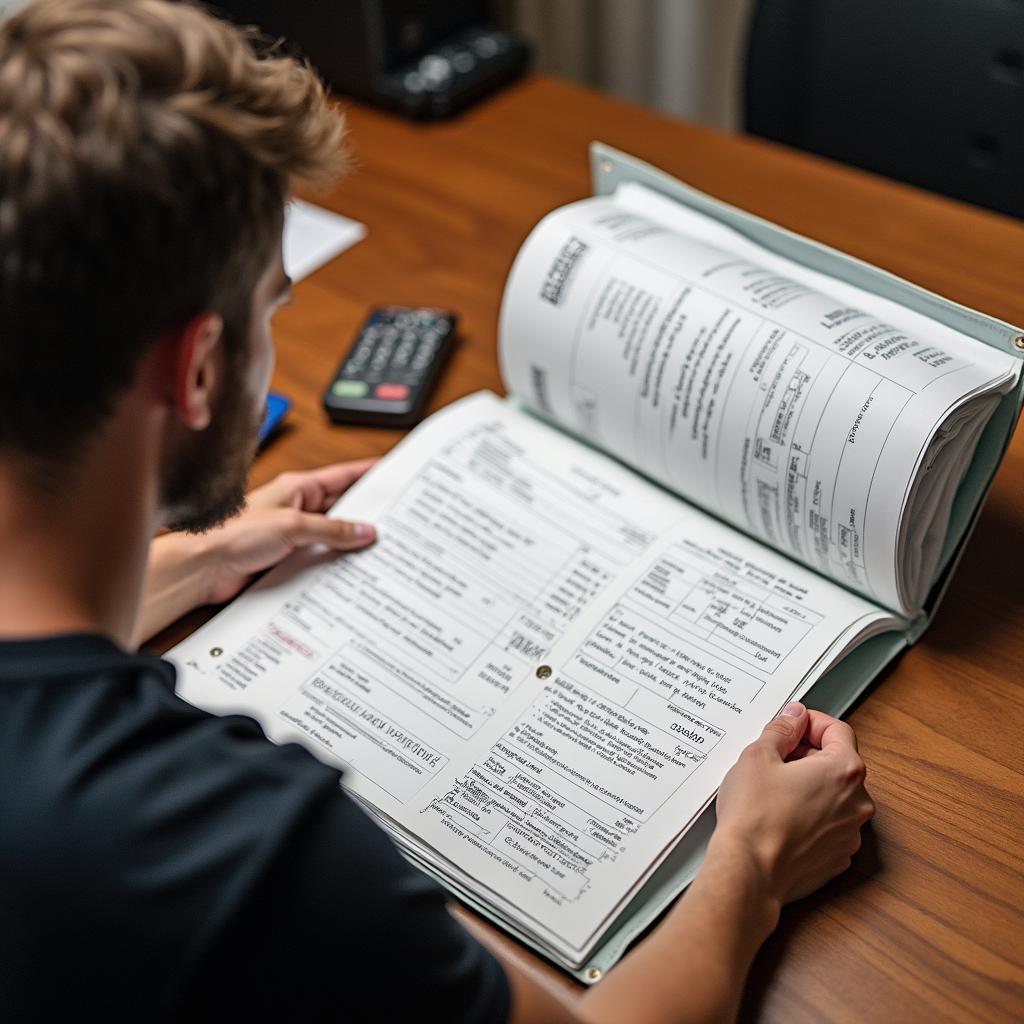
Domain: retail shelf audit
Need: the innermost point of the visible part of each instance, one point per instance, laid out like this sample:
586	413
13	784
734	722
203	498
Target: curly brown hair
146	153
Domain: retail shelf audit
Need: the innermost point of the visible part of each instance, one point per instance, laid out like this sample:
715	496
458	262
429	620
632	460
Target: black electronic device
423	58
388	373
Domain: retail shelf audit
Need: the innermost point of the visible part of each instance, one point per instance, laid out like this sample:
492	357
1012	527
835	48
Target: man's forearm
176	582
693	967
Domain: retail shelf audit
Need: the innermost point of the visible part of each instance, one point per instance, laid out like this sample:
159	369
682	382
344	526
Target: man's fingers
304	528
334	481
803	749
824	730
314	490
783	734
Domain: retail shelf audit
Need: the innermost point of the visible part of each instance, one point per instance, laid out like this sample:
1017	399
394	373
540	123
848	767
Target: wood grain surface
929	923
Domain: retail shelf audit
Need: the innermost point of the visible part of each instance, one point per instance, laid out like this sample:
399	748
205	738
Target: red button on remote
393	392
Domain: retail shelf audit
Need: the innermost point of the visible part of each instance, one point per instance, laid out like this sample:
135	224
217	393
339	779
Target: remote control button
464	62
487	46
413	82
350	388
392	392
435	70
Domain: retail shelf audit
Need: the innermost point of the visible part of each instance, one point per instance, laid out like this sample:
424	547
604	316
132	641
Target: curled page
818	418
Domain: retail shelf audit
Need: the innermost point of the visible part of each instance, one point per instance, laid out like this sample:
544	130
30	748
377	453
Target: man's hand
789	819
795	800
186	571
279	517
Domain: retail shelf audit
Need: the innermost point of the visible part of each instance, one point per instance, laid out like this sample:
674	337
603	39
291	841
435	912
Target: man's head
146	152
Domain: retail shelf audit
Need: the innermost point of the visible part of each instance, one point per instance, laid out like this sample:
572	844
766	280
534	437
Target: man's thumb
784	733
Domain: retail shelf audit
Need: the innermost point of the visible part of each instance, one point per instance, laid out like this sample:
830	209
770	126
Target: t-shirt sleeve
342	927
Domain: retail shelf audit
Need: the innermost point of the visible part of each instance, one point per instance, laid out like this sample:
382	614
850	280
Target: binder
837	690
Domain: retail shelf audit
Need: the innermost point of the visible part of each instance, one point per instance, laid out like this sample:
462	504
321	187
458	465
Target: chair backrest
927	91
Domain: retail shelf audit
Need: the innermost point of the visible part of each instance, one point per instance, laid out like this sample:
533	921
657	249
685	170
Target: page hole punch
543	671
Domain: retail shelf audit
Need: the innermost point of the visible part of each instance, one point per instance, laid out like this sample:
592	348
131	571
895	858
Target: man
157	862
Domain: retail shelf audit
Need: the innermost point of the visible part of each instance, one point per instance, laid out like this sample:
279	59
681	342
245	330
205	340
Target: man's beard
204	483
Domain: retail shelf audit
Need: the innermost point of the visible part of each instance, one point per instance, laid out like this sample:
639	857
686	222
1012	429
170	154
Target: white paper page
504	547
313	236
575	803
785	411
492	540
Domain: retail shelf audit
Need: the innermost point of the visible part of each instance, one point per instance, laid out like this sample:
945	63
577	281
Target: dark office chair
927	91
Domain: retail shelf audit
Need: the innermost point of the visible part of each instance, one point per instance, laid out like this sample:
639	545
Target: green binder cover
836	691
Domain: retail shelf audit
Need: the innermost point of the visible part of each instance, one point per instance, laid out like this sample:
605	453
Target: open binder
836	691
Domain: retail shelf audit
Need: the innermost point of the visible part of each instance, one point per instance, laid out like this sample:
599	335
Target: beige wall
681	56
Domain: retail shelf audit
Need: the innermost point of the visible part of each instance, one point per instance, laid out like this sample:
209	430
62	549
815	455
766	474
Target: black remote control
387	375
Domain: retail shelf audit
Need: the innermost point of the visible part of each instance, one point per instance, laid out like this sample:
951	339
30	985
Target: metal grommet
607	167
543	671
1019	341
594	974
216	652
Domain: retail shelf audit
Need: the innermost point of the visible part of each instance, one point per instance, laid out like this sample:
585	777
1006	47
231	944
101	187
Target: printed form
722	371
538	674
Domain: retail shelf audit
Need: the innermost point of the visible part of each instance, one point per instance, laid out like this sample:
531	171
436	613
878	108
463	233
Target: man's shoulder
127	811
117	740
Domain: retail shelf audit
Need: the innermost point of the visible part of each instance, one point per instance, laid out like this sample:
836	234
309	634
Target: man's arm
189	570
789	818
691	968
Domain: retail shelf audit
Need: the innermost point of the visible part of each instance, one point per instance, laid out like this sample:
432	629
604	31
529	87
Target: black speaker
423	58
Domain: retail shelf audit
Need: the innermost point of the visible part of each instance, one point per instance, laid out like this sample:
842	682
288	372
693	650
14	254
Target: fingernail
794	709
362	531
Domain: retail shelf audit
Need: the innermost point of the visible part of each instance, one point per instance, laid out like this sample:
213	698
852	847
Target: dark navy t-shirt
161	863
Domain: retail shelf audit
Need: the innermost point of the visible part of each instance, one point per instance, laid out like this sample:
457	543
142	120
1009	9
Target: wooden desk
929	924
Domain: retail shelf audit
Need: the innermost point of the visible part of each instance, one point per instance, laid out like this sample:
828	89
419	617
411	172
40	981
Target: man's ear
194	368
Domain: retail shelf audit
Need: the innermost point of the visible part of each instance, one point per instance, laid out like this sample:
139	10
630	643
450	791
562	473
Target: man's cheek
263	365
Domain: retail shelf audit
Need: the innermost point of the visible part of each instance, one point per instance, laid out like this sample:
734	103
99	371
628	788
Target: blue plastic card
277	408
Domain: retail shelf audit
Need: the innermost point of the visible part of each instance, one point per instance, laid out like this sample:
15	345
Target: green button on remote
350	388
